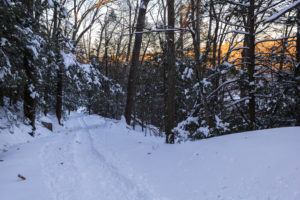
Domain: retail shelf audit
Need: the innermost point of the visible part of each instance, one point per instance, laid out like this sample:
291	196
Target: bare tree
88	16
131	27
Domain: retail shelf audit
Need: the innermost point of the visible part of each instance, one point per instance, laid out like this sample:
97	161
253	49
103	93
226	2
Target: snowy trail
60	172
94	158
76	170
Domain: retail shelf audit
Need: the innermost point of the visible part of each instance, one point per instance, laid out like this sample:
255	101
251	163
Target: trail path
71	168
94	158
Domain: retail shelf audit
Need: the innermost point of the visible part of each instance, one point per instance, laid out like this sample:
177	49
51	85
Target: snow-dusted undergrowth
94	158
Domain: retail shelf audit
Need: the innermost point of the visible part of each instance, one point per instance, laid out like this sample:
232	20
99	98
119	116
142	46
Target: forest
185	69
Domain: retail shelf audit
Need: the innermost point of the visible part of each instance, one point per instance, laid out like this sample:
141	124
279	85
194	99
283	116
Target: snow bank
13	131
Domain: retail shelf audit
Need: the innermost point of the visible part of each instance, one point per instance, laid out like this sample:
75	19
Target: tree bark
29	6
100	41
130	30
251	65
29	101
171	74
117	59
29	104
1	94
131	89
59	94
297	69
105	57
59	86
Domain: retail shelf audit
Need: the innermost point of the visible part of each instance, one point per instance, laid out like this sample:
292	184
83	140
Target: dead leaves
21	177
101	2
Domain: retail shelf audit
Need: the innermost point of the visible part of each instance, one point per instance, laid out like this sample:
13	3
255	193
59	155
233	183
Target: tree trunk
245	52
128	49
1	94
251	65
103	28
171	74
180	45
59	86
131	30
131	89
117	59
297	70
47	91
29	101
105	57
29	6
145	51
59	93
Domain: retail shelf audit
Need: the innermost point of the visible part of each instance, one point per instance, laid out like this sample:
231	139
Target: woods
192	68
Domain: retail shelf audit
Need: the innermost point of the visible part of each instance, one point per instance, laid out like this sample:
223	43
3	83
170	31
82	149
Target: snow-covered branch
237	31
221	86
275	39
232	24
269	7
160	30
238	3
283	11
237	101
239	48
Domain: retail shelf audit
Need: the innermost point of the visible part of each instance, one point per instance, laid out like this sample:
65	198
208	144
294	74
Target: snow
227	64
283	11
50	3
4	69
163	30
238	3
204	130
33	50
246	99
3	41
95	158
143	5
69	59
14	134
238	32
188	72
274	39
86	68
180	129
206	83
34	94
220	124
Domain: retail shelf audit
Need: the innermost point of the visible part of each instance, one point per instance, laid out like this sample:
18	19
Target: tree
295	5
131	88
297	69
251	61
170	137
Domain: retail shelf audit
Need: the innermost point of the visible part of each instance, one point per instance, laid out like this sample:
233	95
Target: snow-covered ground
93	158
